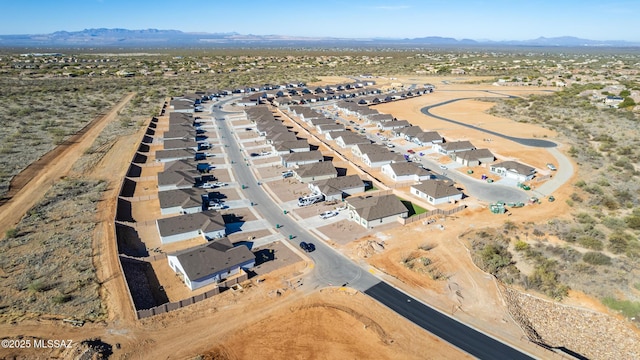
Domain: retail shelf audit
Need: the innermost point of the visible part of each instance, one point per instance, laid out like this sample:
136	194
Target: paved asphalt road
333	268
473	342
524	141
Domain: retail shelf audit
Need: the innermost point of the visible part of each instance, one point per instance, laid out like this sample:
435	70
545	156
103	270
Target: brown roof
515	167
437	188
338	184
206	221
185	198
377	207
407	168
213	257
475	154
457	145
322	168
428	136
175	153
303	156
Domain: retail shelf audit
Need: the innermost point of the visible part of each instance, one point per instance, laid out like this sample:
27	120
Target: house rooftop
185	198
458	145
515	166
407	168
206	221
303	156
437	188
377	207
322	168
213	257
338	184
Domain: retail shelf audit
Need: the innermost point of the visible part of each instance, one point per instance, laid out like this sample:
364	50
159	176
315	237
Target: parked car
310	247
304	246
219	184
328	214
206	185
443	167
264	153
551	167
411	151
217	206
287	174
390	145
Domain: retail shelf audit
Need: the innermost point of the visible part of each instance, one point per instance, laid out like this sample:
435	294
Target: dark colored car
304	246
310	247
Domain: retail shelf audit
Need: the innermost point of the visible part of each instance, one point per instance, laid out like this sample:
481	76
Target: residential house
211	263
347	141
473	157
338	187
454	146
393	125
286	147
379	159
323	129
405	171
437	192
513	170
175	154
181	201
316	171
207	224
302	158
172	144
428	138
371	211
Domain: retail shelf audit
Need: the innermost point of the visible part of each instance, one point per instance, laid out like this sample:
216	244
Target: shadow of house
150	132
134	172
144	148
129	242
153	125
140	158
342	171
123	210
264	255
327	158
147	139
313	147
233	223
143	283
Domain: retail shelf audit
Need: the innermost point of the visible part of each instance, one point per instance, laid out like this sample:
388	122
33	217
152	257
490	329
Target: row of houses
185	207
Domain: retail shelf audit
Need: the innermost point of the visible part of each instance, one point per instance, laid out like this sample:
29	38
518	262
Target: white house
437	191
379	159
286	147
207	224
302	158
513	170
449	148
315	171
393	125
347	141
181	201
338	187
372	211
427	138
405	171
211	263
473	157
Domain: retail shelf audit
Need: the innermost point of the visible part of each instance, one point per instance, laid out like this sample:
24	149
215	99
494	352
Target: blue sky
472	19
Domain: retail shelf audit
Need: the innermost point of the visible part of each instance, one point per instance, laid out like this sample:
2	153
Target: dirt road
37	178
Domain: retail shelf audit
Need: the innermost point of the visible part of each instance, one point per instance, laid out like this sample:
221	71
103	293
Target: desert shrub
575	197
633	221
37	286
590	242
619	242
61	299
627	308
494	257
581	183
11	233
545	279
596	258
584	218
614	223
521	245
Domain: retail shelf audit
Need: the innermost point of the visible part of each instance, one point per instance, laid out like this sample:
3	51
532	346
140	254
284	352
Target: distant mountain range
174	38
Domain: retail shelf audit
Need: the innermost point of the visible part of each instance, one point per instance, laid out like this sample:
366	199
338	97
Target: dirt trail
34	181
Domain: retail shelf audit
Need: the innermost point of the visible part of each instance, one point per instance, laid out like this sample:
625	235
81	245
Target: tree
627	102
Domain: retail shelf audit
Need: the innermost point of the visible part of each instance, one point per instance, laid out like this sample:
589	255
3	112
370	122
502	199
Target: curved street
333	268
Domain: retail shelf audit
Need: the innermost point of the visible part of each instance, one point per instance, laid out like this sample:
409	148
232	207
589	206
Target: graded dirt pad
324	325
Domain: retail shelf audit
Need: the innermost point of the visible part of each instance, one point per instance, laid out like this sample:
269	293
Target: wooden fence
431	213
171	306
